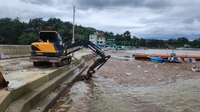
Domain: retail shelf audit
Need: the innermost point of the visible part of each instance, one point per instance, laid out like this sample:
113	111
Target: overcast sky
159	19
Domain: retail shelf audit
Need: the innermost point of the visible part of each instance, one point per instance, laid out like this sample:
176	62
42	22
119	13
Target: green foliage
195	43
3	40
108	34
127	35
28	38
10	30
16	32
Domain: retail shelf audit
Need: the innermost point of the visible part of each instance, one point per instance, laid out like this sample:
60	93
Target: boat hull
156	59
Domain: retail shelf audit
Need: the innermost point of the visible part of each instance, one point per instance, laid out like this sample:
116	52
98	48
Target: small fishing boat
174	59
190	60
156	59
196	68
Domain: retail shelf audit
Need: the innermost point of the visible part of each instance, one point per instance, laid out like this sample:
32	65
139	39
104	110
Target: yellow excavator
51	49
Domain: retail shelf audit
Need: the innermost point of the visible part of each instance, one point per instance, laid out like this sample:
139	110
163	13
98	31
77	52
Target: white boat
190	60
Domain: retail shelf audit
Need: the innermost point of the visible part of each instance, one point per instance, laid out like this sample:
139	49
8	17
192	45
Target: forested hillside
16	32
13	31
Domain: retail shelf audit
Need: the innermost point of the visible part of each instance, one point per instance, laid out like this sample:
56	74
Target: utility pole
74	6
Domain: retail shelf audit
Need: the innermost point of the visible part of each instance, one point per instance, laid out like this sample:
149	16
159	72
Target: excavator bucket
97	63
3	82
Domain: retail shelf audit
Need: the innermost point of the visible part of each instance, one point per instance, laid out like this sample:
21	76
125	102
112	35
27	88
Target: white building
93	38
98	39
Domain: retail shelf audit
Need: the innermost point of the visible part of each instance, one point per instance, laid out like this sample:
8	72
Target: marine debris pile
171	58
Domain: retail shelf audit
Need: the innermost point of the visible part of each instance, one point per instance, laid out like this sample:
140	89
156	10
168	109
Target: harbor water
178	96
106	95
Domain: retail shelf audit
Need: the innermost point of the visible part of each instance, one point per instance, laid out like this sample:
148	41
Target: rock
128	74
3	56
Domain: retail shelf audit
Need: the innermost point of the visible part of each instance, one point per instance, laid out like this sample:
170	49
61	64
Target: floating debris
196	68
128	74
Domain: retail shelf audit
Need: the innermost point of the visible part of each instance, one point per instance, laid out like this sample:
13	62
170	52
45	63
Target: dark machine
51	49
87	44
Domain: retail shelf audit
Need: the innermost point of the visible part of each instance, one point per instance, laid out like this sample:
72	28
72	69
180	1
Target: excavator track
58	61
63	62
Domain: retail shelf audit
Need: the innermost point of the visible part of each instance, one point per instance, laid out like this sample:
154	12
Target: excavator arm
98	63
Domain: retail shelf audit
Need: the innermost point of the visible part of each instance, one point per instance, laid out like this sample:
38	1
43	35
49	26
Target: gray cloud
100	4
39	2
143	18
157	4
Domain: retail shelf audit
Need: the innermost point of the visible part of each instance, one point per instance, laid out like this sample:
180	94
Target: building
110	41
98	39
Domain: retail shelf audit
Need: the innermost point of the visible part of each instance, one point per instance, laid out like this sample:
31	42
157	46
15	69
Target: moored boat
156	59
190	60
174	59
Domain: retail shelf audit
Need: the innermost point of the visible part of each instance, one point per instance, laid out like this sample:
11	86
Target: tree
171	42
108	34
195	43
36	24
8	31
182	41
3	40
142	42
127	35
27	38
135	41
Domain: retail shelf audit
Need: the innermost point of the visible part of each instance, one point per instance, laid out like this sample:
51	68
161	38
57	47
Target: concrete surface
27	88
12	51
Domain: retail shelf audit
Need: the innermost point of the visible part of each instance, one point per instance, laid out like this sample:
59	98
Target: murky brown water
179	96
107	96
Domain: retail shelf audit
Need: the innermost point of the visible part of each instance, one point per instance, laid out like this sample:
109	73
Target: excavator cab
50	44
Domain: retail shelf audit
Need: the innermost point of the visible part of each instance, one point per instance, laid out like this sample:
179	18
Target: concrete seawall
36	90
11	51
